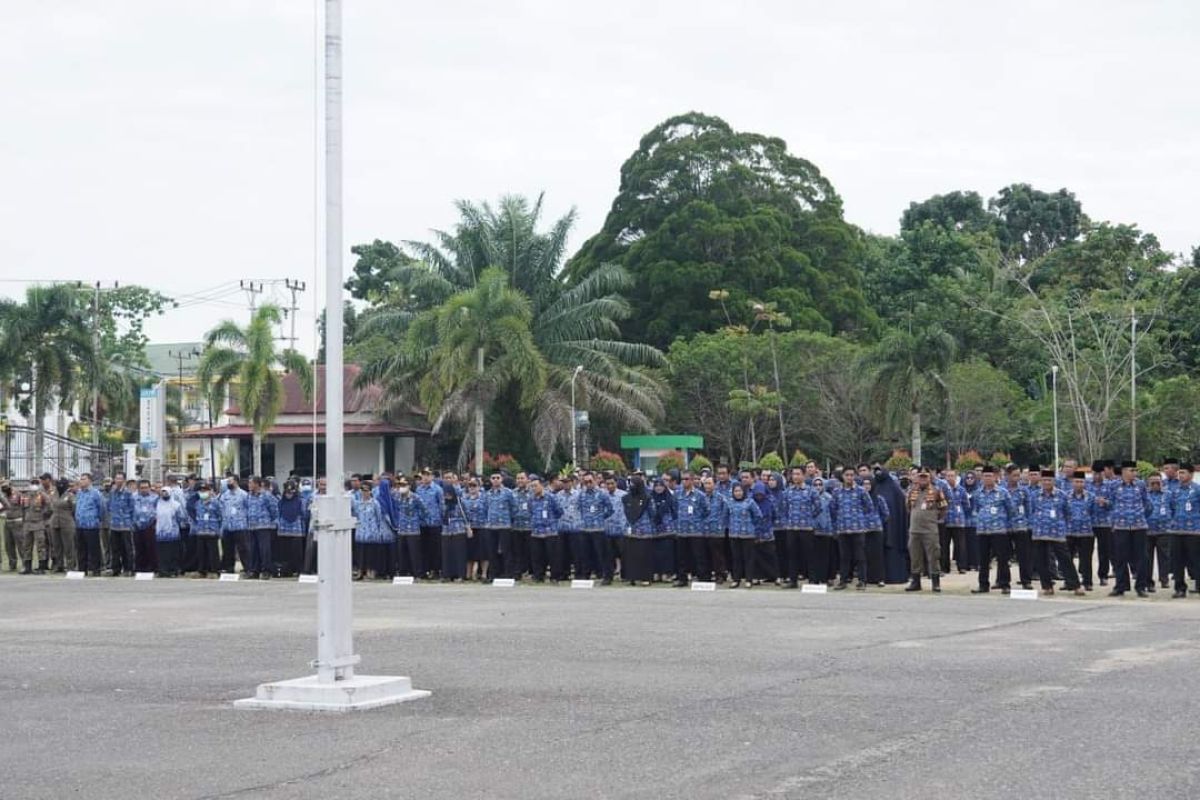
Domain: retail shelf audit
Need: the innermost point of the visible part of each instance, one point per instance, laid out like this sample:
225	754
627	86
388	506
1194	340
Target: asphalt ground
116	688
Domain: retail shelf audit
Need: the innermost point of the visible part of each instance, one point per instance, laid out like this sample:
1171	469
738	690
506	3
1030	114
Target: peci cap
1128	465
1048	473
1078	475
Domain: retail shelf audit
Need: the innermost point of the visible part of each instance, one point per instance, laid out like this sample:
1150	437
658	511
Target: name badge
1187	506
1053	513
592	509
924	506
545	514
691	510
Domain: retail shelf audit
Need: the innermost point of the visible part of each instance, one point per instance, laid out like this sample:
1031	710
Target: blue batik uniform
1019	510
1079	513
593	507
169	519
293	515
1101	515
456	515
262	511
120	510
692	509
823	519
1129	507
409	514
799	508
1185	509
958	508
544	513
475	509
89	509
741	518
1160	511
234	512
714	520
1048	516
991	511
145	507
207	519
370	525
522	517
616	524
570	520
500	505
434	500
850	509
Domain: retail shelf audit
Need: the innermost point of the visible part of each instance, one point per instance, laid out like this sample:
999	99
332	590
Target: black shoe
937	583
861	586
28	570
1026	585
1142	593
980	590
793	584
1179	593
914	585
840	586
1104	581
681	584
12	566
1152	590
606	582
735	585
1117	593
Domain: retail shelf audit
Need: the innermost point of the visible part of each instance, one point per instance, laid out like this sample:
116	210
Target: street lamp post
1054	392
574	425
335	686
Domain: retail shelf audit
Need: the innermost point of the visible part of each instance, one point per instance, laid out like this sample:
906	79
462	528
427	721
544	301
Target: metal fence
62	456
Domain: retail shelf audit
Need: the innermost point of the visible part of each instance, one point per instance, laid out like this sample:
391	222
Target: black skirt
454	555
637	559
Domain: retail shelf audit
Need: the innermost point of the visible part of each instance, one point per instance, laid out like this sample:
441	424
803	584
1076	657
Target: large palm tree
246	360
570	325
908	367
45	341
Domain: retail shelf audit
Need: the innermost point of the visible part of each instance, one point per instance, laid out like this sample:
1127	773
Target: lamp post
1054	392
574	426
335	686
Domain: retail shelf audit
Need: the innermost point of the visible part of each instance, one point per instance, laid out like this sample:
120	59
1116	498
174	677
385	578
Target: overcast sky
171	143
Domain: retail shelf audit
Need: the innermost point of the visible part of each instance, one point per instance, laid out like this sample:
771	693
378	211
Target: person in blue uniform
373	536
1018	518
89	515
954	529
1102	479
454	531
594	506
475	509
1158	538
408	515
876	521
501	505
291	528
820	559
796	520
1129	508
991	528
235	526
1048	527
741	518
691	542
433	499
1185	531
545	511
522	525
169	515
145	544
1081	507
120	524
850	506
970	482
262	520
614	532
207	528
637	561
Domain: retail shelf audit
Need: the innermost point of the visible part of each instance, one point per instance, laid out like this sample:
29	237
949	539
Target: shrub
999	458
899	461
746	465
503	461
968	461
669	461
698	463
771	461
799	459
1145	469
606	461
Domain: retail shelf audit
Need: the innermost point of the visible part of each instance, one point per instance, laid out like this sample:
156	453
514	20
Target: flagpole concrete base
359	693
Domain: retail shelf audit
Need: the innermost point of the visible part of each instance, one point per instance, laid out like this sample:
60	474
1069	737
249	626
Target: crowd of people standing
858	526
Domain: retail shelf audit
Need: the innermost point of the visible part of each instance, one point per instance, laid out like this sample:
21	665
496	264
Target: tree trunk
753	443
256	446
916	438
783	449
39	434
479	421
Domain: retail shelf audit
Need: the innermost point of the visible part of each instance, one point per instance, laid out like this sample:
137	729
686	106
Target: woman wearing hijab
665	515
372	535
637	562
876	520
292	525
823	540
742	516
475	514
454	532
766	565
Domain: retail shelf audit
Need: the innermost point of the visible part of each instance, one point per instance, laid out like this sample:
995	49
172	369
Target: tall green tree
246	360
571	324
45	341
701	206
910	368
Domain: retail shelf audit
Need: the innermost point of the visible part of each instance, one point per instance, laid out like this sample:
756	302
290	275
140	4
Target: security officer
926	511
10	523
37	513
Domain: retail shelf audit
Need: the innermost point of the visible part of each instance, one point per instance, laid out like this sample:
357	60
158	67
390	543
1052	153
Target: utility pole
181	356
295	287
1133	384
96	352
252	290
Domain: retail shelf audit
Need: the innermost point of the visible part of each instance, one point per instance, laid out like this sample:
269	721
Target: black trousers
431	548
743	558
874	547
1022	542
520	552
767	567
602	553
187	557
499	550
1158	547
87	549
575	553
168	557
692	558
454	555
1185	558
409	555
718	563
310	553
208	559
1129	556
852	552
946	535
788	544
121	552
230	544
998	546
545	553
819	559
145	550
1058	549
1081	550
260	548
1103	550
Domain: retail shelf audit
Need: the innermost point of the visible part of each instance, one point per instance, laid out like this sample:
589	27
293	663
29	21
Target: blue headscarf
383	493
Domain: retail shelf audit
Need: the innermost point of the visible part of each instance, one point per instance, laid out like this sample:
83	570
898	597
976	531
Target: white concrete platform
360	693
